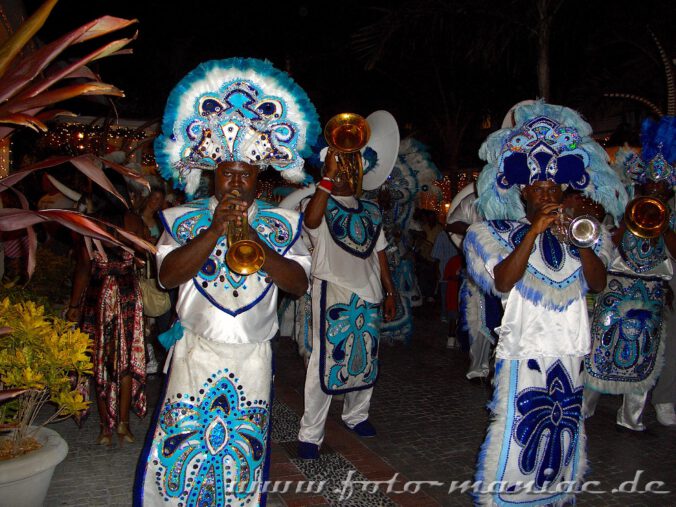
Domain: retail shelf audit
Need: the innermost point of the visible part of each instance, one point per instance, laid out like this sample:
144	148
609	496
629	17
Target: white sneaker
665	414
452	343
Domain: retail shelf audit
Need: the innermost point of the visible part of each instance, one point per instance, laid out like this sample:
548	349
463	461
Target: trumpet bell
646	217
584	231
347	132
245	257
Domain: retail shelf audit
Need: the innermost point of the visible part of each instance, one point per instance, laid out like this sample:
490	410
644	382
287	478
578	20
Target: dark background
447	70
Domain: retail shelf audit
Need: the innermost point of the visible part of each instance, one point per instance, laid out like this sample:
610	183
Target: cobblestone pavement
430	421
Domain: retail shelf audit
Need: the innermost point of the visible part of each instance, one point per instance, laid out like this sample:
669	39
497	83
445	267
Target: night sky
447	70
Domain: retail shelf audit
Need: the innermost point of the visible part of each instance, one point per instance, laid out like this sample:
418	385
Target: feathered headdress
548	142
658	154
238	109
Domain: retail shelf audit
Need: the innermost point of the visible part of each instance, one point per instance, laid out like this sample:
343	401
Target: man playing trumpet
209	442
536	435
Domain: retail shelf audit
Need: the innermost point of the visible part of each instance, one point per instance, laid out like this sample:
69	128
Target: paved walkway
430	421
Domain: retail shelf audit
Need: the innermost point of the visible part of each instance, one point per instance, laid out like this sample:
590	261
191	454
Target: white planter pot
24	481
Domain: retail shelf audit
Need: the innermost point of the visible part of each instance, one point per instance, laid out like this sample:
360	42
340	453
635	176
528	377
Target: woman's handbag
156	301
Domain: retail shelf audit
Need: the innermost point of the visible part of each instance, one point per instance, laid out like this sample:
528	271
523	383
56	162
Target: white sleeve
381	243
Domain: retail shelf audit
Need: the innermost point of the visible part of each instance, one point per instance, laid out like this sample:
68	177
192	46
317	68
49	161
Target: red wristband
326	184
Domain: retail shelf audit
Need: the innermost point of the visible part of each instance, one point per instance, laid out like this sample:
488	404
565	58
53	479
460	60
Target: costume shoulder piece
232	293
354	230
553	277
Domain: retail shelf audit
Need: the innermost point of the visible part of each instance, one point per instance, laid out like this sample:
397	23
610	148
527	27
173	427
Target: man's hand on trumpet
231	209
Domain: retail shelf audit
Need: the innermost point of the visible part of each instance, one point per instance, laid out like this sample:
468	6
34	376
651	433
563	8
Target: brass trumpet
646	217
348	133
582	231
244	255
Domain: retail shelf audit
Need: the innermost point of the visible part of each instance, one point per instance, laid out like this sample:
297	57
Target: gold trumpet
348	133
646	217
244	255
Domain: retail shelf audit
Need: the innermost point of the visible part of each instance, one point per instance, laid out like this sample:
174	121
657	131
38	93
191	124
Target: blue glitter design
355	326
547	415
212	447
626	329
354	230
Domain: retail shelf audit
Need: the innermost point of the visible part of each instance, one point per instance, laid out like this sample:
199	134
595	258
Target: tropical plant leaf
60	94
12	219
8	394
24	120
24	33
31	66
68	71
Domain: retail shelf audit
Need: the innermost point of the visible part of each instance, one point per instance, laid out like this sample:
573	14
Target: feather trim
290	132
498	203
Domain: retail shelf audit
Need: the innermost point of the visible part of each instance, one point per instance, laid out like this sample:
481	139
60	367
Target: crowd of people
553	320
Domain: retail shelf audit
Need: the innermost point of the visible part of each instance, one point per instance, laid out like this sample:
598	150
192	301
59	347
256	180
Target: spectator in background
426	264
442	251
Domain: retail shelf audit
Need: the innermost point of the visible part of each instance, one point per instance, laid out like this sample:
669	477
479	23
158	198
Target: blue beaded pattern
350	335
553	256
354	230
640	254
626	329
211	447
215	277
547	428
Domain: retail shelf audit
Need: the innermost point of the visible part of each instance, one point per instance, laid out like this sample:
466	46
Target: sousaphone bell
348	133
244	256
646	217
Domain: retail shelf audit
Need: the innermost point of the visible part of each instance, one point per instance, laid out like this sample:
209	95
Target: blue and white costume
536	436
215	412
209	442
628	328
346	297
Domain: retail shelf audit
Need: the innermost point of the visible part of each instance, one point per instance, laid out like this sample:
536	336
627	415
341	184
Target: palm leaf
26	31
24	120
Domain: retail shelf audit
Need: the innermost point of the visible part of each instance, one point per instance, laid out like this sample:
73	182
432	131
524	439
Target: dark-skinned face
539	194
238	176
659	190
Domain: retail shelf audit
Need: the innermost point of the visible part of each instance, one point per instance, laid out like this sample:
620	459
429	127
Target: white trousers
629	415
317	402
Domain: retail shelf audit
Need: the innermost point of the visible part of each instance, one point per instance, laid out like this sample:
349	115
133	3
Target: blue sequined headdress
238	109
548	143
658	155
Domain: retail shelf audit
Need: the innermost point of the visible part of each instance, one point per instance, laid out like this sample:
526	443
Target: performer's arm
286	274
593	269
182	264
512	268
314	212
389	302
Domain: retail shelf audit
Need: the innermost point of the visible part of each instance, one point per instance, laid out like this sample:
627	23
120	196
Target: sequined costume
210	437
346	297
209	442
536	441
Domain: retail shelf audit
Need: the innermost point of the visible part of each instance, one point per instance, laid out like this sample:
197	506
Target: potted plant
43	359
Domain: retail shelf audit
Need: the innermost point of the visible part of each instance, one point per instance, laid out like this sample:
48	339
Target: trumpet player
536	435
233	117
350	283
628	328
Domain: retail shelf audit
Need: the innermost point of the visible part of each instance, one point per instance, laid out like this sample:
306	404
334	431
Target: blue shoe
364	429
306	450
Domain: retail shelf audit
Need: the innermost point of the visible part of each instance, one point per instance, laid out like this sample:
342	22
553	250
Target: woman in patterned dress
106	300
